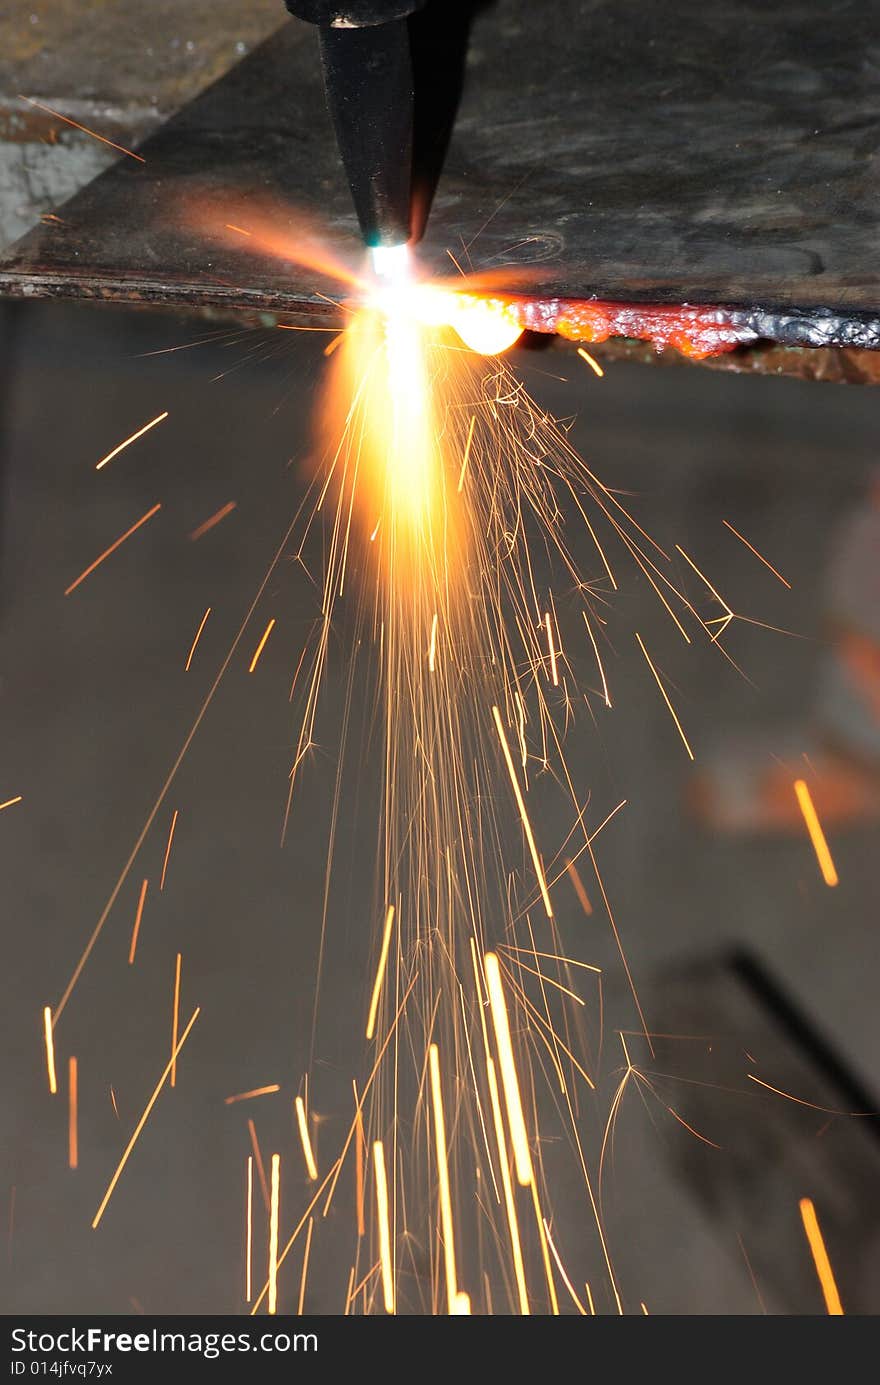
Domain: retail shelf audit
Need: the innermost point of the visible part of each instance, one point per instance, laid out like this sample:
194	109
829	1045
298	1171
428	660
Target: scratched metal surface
671	153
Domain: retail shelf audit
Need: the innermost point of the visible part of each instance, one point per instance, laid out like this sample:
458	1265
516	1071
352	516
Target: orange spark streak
273	1233
72	1133
196	640
137	923
665	698
817	836
209	523
592	1306
359	1163
833	1305
758	555
85	129
113	1101
240	229
509	1081
261	646
443	1179
509	1203
168	849
143	1120
554	671
597	370
598	660
112	549
258	1158
305	1268
308	1153
559	1265
384	1226
578	884
128	441
467	452
380	972
9	802
50	1049
249	1242
527	827
246	1096
174	1021
432	647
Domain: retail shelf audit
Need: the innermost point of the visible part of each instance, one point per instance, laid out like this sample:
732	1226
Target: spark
112	549
590	1303
833	1305
85	129
305	1268
758	555
432	647
467	452
120	447
384	1227
559	1265
273	1234
509	1081
598	660
72	1092
212	520
509	1201
240	229
246	1096
50	1049
596	369
261	646
359	1149
380	972
308	1153
577	883
448	1235
189	657
249	1231
461	1308
527	827
817	836
9	802
168	849
554	671
174	1021
258	1159
137	923
143	1120
665	697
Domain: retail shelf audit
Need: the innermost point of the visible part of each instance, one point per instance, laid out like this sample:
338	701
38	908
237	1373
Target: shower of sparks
120	447
85	129
249	1232
813	1232
305	1141
380	971
168	850
440	1147
817	836
112	549
672	711
595	368
50	1049
9	802
274	1198
72	1113
247	1096
261	646
758	555
135	932
198	636
382	1218
175	1016
213	520
143	1120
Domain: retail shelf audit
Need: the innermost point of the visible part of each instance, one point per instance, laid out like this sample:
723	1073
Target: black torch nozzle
365	51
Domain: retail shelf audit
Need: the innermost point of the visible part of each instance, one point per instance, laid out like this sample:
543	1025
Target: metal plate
674	153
